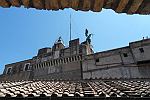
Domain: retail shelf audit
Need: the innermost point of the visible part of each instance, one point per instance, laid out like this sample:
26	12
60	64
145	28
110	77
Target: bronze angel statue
88	36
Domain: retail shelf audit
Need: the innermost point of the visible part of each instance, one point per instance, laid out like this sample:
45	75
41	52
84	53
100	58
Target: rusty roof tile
100	89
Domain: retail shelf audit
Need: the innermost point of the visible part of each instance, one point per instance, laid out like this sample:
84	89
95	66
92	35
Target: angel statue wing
86	33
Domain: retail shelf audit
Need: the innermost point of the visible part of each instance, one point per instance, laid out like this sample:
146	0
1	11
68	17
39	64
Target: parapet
44	51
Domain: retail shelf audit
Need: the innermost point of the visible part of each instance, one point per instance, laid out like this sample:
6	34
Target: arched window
61	60
9	69
69	59
73	58
51	63
27	67
48	63
78	57
65	60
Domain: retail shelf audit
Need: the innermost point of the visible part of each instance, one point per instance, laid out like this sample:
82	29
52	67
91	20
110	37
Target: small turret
58	45
44	51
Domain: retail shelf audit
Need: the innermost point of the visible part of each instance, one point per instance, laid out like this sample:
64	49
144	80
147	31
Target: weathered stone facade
57	62
78	61
128	62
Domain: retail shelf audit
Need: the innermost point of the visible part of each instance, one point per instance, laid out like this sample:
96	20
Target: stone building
58	62
78	61
130	62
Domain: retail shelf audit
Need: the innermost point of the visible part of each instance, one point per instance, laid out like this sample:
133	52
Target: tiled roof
119	6
96	89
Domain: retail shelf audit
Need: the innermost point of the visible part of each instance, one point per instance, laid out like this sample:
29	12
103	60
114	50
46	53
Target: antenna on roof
70	27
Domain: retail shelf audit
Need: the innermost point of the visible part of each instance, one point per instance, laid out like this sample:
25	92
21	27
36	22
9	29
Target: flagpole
70	27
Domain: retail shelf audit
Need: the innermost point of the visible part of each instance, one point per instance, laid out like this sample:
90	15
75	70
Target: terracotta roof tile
100	89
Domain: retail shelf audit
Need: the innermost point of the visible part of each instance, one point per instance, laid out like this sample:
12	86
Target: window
78	58
69	59
141	50
64	60
26	66
45	64
75	58
72	58
51	63
56	62
48	63
9	69
41	65
125	54
36	66
97	60
61	60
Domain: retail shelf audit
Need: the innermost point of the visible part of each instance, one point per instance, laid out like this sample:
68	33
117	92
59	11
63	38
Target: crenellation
126	62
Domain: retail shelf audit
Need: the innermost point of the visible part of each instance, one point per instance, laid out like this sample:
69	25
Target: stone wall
127	62
17	67
107	59
119	63
119	72
18	71
17	76
68	70
141	50
68	75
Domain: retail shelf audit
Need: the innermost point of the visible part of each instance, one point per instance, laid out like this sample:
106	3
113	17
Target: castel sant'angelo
78	61
77	71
